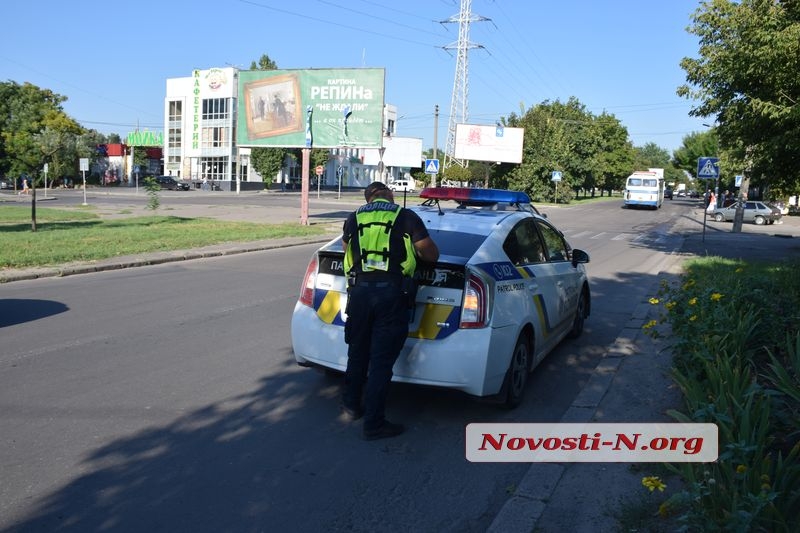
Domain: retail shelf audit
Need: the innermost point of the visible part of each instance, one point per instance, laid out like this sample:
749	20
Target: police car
506	290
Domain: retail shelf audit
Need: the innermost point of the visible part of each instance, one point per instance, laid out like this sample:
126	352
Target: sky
112	60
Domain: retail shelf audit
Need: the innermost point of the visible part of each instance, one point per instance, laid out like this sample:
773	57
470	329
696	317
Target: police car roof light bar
470	196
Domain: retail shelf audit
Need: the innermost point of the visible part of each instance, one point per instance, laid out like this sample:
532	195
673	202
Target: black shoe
386	431
350	413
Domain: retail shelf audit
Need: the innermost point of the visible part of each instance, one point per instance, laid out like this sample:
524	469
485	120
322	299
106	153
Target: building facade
200	142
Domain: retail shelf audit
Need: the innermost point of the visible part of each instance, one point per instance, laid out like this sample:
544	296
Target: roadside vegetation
735	335
64	236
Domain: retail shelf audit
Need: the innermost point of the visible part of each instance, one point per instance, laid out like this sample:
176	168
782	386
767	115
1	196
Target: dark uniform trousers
376	329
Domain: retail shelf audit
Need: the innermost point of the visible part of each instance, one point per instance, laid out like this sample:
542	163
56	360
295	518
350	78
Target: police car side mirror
579	256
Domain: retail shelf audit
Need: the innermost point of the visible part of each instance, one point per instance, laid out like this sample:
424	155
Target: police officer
382	242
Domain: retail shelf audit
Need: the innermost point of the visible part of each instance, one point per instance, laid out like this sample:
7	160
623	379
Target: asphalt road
166	398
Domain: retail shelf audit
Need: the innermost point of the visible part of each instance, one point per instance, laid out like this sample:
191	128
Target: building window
215	137
175	111
214	168
215	108
174	139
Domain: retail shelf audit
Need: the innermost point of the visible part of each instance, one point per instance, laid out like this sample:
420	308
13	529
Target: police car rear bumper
473	361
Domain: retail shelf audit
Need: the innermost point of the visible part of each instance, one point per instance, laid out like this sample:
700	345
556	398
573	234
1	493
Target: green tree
695	145
264	63
268	162
590	151
614	158
653	156
34	131
746	78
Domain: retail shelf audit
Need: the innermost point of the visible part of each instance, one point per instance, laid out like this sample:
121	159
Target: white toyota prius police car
506	290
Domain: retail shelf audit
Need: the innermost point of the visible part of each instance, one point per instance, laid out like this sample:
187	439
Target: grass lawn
64	236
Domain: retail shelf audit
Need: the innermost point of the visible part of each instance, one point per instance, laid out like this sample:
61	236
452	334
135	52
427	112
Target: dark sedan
168	182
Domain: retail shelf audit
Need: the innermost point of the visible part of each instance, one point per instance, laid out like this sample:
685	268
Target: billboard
489	143
399	152
321	108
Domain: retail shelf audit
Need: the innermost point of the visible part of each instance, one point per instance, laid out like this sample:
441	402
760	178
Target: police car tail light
474	308
309	280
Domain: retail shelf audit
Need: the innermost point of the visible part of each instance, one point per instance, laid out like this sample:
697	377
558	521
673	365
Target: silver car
757	212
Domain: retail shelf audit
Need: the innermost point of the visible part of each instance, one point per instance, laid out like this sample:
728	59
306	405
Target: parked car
6	183
756	212
506	290
168	182
401	186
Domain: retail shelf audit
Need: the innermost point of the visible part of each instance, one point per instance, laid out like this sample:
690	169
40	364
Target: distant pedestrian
712	203
25	189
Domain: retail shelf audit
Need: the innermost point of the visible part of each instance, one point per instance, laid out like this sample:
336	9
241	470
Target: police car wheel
517	374
580	317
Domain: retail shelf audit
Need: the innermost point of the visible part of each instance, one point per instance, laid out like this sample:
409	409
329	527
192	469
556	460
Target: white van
402	186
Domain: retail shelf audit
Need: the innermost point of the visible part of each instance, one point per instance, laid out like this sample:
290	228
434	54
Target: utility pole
459	97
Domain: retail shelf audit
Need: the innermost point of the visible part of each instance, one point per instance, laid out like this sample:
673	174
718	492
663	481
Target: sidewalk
630	384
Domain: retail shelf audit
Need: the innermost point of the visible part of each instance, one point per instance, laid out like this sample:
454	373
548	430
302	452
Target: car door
536	297
749	211
565	277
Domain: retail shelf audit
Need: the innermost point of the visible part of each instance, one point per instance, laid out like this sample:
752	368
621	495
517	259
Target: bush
738	369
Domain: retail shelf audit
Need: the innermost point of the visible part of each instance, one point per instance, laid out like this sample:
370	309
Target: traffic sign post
318	170
708	169
555	179
84	166
431	166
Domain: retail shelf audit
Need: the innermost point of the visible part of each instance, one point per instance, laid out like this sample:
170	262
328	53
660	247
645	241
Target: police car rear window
457	243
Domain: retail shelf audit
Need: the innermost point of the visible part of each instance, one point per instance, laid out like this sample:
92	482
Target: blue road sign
708	168
556	176
737	181
431	166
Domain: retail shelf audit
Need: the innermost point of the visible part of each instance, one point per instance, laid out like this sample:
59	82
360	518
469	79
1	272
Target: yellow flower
653	482
670	305
650	324
692	318
693	301
653	301
741	469
716	297
739	270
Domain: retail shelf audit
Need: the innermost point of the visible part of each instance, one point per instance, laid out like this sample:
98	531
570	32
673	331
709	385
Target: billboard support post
306	168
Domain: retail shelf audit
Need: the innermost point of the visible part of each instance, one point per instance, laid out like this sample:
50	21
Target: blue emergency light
470	196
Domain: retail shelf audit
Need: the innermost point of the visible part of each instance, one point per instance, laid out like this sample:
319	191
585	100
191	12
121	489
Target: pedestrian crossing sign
708	167
431	166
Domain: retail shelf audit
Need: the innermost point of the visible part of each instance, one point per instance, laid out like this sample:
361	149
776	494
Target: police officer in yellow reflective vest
382	242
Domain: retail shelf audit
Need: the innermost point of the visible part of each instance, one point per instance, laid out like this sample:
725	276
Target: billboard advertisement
489	143
319	108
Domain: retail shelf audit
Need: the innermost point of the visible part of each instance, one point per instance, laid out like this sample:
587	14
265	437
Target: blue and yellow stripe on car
541	312
437	321
328	305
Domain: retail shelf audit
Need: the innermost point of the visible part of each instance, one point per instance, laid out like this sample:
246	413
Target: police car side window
523	245
557	249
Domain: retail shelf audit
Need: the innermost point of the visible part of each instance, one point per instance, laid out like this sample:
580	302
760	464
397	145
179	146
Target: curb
157	258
